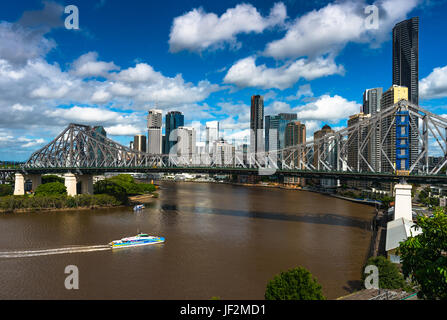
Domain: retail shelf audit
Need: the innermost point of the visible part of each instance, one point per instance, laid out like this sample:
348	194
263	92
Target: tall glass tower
174	119
256	124
406	57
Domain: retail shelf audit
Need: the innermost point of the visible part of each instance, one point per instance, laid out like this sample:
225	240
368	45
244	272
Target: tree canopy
389	275
424	257
52	178
6	190
52	188
294	284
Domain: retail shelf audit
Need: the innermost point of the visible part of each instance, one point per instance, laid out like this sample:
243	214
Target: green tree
294	284
424	257
386	201
389	275
52	178
52	188
6	190
111	188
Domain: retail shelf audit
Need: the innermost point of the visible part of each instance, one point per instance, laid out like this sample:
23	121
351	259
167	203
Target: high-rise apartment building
154	134
174	120
256	124
406	57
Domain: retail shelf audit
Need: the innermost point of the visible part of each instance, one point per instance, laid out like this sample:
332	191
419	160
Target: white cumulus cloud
198	30
434	85
245	72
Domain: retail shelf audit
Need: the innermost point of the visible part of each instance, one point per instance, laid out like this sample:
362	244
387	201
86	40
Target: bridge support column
36	180
70	183
402	203
19	185
86	184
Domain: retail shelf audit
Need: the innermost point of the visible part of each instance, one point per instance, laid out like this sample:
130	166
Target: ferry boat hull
137	241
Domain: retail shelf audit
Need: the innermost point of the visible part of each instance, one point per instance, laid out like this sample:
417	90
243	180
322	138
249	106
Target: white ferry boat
141	239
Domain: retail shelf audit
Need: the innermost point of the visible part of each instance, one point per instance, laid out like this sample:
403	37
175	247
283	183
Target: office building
256	125
358	127
186	142
371	100
275	128
326	151
371	105
223	153
139	143
406	57
154	134
359	153
212	135
174	120
295	135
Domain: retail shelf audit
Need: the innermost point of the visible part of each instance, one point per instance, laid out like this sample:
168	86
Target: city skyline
325	89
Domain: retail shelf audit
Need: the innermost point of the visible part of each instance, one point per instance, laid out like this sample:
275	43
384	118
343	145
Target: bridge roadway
342	175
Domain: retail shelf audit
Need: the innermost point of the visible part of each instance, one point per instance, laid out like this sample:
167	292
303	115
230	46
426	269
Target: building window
402	130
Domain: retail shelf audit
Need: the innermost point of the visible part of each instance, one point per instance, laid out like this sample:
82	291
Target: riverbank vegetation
29	202
52	194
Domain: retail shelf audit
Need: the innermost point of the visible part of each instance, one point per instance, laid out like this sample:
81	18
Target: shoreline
133	200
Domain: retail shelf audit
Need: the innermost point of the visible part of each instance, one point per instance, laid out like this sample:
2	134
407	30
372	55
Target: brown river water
221	240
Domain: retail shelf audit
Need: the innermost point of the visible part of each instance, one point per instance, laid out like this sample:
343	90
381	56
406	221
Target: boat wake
47	252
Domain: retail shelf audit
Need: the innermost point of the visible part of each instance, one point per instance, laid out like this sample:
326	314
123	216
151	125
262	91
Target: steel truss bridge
361	151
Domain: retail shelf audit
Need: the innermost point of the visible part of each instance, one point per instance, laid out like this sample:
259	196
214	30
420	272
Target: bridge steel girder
79	149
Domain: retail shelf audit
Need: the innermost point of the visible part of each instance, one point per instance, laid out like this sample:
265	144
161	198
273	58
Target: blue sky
204	58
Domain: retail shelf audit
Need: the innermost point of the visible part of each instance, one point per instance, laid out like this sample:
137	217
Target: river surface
221	240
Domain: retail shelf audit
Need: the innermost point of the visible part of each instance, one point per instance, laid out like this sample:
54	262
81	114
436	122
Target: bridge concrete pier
70	183
19	185
402	203
36	180
86	183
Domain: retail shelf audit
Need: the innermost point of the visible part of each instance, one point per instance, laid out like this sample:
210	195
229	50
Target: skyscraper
186	143
174	119
154	135
256	124
278	123
139	143
326	149
406	57
371	105
212	135
371	100
295	134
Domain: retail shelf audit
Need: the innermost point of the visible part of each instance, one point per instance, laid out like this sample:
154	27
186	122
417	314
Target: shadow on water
353	286
328	219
